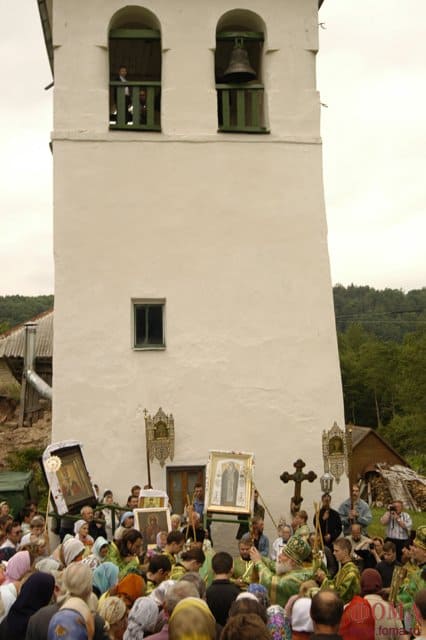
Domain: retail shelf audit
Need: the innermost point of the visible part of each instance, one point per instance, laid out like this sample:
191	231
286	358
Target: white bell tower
192	268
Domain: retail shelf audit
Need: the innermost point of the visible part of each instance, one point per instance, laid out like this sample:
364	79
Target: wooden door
180	484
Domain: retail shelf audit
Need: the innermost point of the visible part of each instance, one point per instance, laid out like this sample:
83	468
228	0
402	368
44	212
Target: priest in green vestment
243	572
283	578
347	581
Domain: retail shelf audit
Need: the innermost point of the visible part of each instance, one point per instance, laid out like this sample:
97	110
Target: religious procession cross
298	477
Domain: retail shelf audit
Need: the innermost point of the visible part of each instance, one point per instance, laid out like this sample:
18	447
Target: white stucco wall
230	230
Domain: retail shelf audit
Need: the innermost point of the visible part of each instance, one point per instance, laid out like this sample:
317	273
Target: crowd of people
322	577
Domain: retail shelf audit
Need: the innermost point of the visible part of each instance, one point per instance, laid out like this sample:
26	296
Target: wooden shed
369	449
384	474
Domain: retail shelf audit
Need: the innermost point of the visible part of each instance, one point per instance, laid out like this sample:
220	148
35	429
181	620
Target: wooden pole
318	532
349	454
190	509
46	532
148	466
266	507
319	542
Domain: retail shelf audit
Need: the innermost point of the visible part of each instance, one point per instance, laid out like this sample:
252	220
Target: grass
377	529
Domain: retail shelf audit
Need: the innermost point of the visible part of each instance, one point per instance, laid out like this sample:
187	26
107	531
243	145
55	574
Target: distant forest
382	349
17	309
389	314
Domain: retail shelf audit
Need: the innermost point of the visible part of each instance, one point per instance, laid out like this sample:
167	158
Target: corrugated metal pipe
29	360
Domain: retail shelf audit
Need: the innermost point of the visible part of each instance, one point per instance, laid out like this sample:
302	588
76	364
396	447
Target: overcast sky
372	77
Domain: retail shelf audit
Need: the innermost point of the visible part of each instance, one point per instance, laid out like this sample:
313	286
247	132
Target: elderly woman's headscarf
260	592
143	618
71	549
131	587
73	621
36	592
67	624
159	593
18	565
105	576
127	514
78	525
97	546
47	565
301	615
278	624
192	616
112	610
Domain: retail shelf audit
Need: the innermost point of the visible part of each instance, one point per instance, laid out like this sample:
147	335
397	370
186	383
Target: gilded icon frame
229	477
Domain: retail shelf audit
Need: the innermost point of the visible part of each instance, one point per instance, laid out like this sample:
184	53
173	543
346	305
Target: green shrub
29	460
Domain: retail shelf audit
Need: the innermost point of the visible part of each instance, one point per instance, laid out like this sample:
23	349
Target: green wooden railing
240	108
116	513
133	113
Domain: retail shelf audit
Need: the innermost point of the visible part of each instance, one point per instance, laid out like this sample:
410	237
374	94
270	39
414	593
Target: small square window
148	325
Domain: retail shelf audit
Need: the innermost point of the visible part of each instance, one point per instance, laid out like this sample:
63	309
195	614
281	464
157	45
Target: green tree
378	362
358	409
407	434
4	326
412	391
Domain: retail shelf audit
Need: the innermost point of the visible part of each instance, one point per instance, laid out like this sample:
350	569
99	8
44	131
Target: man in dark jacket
222	592
329	521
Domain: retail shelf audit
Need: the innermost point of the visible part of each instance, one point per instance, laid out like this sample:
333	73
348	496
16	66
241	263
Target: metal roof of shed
13	341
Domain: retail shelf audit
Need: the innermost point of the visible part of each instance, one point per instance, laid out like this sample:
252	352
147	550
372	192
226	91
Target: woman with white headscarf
143	619
81	530
99	553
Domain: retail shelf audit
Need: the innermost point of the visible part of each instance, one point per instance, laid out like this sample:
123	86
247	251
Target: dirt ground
14	438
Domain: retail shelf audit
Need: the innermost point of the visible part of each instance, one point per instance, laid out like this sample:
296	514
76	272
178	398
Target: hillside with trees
17	309
382	349
388	314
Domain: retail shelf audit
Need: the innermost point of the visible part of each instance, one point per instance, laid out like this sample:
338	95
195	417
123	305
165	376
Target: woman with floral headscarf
278	624
260	592
73	621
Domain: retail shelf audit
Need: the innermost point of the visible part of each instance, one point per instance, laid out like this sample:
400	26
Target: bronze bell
239	68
